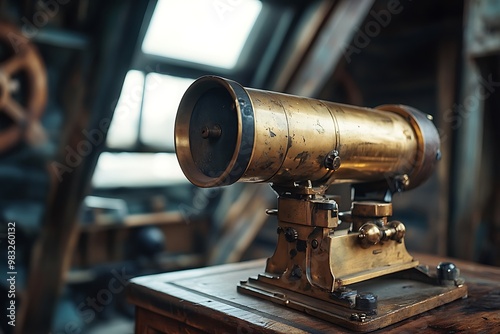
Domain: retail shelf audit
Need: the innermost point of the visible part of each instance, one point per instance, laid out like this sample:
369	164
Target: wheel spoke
14	110
14	86
13	64
9	137
24	116
35	134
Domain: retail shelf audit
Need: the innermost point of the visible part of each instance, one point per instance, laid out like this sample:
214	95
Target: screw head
438	155
296	272
314	244
291	234
332	160
401	182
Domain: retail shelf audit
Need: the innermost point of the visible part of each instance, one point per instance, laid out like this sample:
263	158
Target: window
197	36
200	31
145	114
131	170
146	110
122	132
162	96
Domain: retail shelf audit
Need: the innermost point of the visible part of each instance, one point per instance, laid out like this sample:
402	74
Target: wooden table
205	300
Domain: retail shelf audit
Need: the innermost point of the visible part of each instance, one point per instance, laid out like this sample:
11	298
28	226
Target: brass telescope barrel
226	133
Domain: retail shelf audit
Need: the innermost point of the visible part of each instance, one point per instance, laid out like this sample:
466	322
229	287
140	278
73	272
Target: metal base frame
400	296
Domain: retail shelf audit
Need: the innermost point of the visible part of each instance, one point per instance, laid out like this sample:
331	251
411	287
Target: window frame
272	26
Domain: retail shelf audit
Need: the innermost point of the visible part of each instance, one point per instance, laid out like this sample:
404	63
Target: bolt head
296	272
447	271
366	302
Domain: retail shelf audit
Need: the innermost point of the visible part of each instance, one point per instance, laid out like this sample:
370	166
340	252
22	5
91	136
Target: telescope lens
213	132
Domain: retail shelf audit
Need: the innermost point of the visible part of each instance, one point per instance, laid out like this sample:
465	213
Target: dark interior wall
487	233
87	48
395	58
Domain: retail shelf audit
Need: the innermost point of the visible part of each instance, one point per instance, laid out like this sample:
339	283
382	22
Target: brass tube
272	137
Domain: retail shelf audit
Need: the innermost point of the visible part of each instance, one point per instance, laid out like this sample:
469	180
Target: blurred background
88	95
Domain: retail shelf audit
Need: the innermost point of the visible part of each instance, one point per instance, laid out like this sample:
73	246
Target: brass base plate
398	299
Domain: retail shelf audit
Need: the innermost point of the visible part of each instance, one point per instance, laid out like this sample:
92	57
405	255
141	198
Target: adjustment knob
396	231
291	234
369	234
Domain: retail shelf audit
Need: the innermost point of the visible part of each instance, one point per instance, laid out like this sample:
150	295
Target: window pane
201	31
137	170
161	100
125	124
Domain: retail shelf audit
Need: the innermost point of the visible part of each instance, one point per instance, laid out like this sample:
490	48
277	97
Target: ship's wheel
23	89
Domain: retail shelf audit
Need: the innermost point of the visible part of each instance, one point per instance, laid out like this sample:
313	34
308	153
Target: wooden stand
206	300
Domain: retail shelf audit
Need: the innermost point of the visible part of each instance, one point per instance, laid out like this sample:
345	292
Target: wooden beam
52	253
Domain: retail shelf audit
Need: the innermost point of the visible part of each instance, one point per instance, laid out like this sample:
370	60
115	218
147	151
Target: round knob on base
369	234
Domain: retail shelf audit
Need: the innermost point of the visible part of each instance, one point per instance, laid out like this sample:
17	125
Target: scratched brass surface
279	138
398	299
226	133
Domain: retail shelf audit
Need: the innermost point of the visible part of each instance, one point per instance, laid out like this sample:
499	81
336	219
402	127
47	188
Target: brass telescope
226	133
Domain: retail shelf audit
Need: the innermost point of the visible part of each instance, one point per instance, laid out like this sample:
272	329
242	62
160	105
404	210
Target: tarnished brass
371	209
370	233
285	139
226	133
